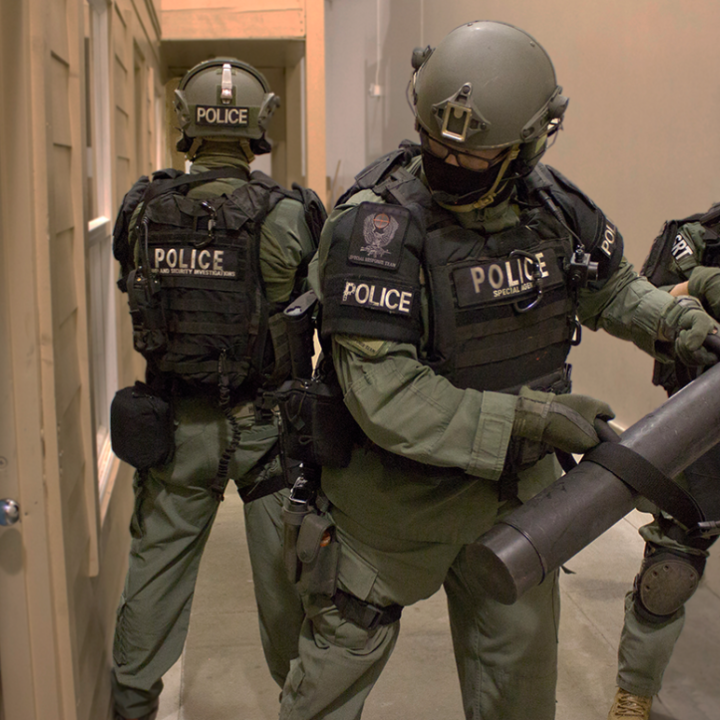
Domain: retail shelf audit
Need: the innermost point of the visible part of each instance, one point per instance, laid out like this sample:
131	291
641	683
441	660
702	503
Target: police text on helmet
213	115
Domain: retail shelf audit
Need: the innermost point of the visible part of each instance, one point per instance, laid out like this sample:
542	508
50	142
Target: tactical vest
657	267
501	309
196	294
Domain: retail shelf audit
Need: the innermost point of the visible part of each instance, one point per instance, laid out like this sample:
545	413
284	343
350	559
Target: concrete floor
222	674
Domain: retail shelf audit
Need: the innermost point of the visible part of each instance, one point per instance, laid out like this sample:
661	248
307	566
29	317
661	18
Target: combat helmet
488	86
224	98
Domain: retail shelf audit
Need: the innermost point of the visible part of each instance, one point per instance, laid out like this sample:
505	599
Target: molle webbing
491	344
483	343
202	259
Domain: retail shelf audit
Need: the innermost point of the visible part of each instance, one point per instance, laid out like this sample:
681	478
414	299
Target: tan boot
627	705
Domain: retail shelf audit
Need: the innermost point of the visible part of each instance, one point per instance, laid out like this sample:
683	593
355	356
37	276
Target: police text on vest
191	261
508	278
376	295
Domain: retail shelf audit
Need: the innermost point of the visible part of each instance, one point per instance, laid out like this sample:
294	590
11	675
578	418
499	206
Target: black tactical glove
704	284
563	421
687	325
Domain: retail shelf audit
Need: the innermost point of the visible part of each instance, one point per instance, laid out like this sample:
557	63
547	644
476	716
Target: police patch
193	262
395	298
219	115
681	247
511	279
609	237
378	235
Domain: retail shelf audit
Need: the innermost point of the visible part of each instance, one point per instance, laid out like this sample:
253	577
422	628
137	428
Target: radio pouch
141	427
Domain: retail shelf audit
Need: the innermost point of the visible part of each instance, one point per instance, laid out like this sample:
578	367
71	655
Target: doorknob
9	512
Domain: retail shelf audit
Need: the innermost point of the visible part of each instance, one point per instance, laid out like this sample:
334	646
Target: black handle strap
643	477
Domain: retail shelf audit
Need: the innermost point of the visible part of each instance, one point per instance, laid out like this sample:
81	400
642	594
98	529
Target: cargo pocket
137	522
355	575
296	675
119	642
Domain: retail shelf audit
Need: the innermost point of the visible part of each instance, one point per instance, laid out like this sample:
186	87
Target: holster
300	329
316	426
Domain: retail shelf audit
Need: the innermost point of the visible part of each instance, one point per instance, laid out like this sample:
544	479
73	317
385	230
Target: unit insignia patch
378	235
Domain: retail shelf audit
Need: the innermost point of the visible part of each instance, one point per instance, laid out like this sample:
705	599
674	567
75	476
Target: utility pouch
147	313
319	553
317	427
141	427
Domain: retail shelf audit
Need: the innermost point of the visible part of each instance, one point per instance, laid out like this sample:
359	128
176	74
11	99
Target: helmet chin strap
489	197
247	149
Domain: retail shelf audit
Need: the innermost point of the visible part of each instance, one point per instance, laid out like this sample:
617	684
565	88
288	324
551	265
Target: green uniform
647	643
420	488
174	510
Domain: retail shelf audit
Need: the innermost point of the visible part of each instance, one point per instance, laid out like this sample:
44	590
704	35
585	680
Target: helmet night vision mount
225	99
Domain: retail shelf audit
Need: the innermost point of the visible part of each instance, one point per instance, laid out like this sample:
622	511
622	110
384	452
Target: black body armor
195	290
501	306
657	267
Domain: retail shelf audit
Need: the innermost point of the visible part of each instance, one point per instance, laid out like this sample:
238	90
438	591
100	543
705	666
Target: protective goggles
466	160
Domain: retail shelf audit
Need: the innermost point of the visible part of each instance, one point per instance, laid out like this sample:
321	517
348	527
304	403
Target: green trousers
171	522
646	647
506	656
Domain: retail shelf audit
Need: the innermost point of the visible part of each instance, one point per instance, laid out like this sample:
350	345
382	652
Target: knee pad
666	581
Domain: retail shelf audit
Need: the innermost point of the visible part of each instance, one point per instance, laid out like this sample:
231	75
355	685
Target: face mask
456	185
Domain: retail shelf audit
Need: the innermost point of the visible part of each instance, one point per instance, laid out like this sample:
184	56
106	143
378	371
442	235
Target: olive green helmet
486	85
224	98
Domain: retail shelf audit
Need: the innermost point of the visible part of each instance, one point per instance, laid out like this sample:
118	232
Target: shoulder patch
378	235
385	296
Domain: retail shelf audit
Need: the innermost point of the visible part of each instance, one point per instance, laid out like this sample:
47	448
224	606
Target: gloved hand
563	421
687	325
704	284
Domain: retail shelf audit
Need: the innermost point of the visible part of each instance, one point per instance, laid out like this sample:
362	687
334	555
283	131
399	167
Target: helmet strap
489	197
192	151
184	143
246	147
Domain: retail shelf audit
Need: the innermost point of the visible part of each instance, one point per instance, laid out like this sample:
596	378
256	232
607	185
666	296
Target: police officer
209	260
451	277
684	261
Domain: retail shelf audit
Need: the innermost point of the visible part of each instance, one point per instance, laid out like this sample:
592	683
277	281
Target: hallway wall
639	135
82	77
